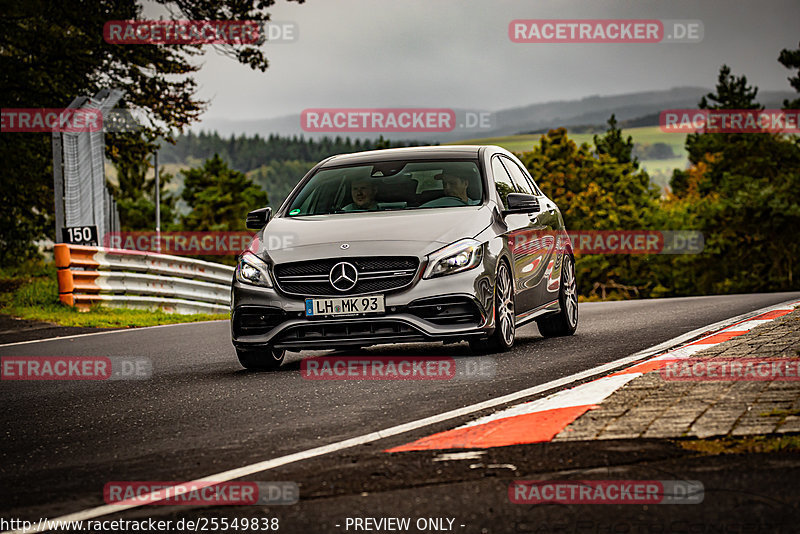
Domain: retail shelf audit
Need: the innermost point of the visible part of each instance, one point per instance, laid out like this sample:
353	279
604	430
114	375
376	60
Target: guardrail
134	279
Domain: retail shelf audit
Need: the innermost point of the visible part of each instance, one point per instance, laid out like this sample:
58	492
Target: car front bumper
447	308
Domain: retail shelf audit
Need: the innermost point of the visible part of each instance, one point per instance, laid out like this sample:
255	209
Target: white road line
593	392
135	329
371	437
747	325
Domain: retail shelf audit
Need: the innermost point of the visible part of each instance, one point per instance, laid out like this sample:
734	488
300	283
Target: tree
382	143
791	60
596	193
742	192
611	143
219	197
135	197
134	192
278	178
52	52
731	93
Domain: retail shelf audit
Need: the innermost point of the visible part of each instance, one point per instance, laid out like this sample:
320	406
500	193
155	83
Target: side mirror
521	203
256	219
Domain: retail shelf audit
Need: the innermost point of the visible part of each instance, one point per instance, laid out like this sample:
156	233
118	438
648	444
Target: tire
265	359
504	333
565	322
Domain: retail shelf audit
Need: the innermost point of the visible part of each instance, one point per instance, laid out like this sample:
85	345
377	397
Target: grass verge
31	292
749	444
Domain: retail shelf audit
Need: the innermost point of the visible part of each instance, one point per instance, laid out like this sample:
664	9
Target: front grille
256	321
375	275
354	332
446	310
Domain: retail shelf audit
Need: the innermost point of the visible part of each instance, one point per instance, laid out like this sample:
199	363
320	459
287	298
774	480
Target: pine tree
791	60
611	143
219	197
742	192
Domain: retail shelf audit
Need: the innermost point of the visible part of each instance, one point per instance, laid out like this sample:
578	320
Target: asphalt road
200	413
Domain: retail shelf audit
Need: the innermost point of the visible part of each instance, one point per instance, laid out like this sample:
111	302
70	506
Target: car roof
415	152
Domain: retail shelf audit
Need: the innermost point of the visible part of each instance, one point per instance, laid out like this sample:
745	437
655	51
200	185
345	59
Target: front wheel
504	333
261	360
565	322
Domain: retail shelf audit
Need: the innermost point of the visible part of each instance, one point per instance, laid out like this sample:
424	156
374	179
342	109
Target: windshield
394	185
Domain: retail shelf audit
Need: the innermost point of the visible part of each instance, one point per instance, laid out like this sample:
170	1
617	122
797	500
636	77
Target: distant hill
632	110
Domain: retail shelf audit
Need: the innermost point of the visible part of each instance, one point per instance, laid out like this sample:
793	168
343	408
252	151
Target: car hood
396	233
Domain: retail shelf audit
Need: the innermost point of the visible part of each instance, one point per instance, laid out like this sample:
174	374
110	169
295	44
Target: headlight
460	256
251	270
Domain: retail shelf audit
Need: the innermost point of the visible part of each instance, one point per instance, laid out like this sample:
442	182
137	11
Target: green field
660	170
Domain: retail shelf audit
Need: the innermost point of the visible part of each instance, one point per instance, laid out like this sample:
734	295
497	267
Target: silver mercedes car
442	243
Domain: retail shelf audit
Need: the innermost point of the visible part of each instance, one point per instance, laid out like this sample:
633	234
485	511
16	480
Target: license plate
345	306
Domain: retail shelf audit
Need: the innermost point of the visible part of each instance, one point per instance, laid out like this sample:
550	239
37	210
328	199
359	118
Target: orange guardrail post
65	282
63	259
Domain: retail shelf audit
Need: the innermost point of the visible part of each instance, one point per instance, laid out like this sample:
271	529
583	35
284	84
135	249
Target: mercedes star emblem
343	276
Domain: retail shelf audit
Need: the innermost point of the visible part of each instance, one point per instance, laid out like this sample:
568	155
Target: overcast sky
457	54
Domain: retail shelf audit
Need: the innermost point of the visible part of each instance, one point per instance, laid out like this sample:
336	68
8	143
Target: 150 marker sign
80	235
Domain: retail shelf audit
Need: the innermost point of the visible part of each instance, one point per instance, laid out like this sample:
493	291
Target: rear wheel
504	333
565	322
262	359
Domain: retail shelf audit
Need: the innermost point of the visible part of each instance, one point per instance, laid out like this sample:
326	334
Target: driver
455	186
363	191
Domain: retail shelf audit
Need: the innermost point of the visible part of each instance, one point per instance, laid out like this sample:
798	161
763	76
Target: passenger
363	191
456	186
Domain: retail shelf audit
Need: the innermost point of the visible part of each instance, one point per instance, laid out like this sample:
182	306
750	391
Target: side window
502	181
536	190
521	180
